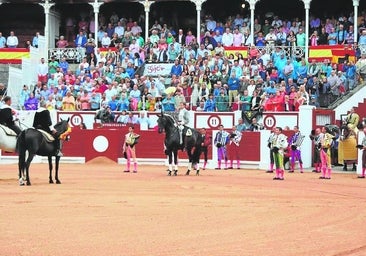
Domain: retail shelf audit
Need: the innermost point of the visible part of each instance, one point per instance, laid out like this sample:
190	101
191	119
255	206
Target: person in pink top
85	101
62	43
189	38
237	38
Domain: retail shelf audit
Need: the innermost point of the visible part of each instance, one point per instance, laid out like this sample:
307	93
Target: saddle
187	131
7	130
46	135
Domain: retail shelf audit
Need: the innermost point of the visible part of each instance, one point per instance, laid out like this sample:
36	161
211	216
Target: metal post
307	8
355	16
47	6
96	6
198	4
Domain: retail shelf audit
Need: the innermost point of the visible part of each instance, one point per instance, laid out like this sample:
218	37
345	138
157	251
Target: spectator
2	40
31	103
42	71
62	43
12	40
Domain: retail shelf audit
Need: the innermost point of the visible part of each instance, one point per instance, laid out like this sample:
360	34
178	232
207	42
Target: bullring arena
99	210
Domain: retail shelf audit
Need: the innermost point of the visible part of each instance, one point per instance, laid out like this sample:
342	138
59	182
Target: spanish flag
330	52
13	55
235	50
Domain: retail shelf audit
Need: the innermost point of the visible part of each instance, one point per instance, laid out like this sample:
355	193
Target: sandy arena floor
99	210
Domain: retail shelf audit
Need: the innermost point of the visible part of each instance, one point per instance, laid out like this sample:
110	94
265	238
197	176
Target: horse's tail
20	140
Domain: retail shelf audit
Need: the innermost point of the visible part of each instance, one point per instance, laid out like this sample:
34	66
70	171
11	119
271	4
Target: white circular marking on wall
100	143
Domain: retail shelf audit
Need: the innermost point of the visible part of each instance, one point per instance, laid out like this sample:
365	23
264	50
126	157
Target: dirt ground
99	210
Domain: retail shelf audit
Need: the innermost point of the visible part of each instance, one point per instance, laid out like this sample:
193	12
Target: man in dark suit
180	37
6	115
42	120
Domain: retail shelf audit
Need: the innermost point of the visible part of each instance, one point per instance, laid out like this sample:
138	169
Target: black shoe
360	177
314	171
327	178
230	167
321	177
276	178
217	168
269	171
291	171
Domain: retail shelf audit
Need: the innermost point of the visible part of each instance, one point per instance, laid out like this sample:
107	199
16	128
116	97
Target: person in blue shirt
35	40
124	102
176	69
271	89
234	85
210	104
130	70
113	103
350	73
168	103
2	41
80	40
64	65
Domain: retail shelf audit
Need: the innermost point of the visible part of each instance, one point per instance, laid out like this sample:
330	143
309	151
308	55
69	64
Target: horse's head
345	132
62	126
165	122
161	123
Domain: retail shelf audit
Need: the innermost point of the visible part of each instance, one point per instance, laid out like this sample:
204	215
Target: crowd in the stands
203	75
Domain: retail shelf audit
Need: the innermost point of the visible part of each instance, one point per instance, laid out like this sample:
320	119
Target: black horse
36	143
191	143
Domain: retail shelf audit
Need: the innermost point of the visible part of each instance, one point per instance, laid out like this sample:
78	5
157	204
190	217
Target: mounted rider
352	120
8	115
183	120
42	120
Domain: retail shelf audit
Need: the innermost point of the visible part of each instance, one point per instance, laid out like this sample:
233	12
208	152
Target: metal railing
77	54
70	54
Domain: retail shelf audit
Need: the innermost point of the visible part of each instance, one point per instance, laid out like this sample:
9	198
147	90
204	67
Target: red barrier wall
108	143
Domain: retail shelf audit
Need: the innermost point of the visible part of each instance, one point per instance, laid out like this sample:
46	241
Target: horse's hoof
58	182
28	183
169	173
175	173
198	173
50	181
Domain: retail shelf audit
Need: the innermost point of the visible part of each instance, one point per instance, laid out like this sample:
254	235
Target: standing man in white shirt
12	40
42	71
227	38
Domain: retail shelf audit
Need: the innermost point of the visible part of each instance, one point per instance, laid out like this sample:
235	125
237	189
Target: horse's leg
21	166
196	161
170	161
345	166
189	167
27	164
175	153
56	169
50	167
354	166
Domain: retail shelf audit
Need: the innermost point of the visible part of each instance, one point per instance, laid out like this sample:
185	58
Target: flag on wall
331	52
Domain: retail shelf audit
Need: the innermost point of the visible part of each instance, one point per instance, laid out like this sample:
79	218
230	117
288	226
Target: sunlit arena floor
100	210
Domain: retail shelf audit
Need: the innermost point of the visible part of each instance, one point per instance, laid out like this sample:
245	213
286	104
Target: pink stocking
329	172
271	167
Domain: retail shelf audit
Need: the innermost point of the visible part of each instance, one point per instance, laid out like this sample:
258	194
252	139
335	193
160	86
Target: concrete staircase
355	98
